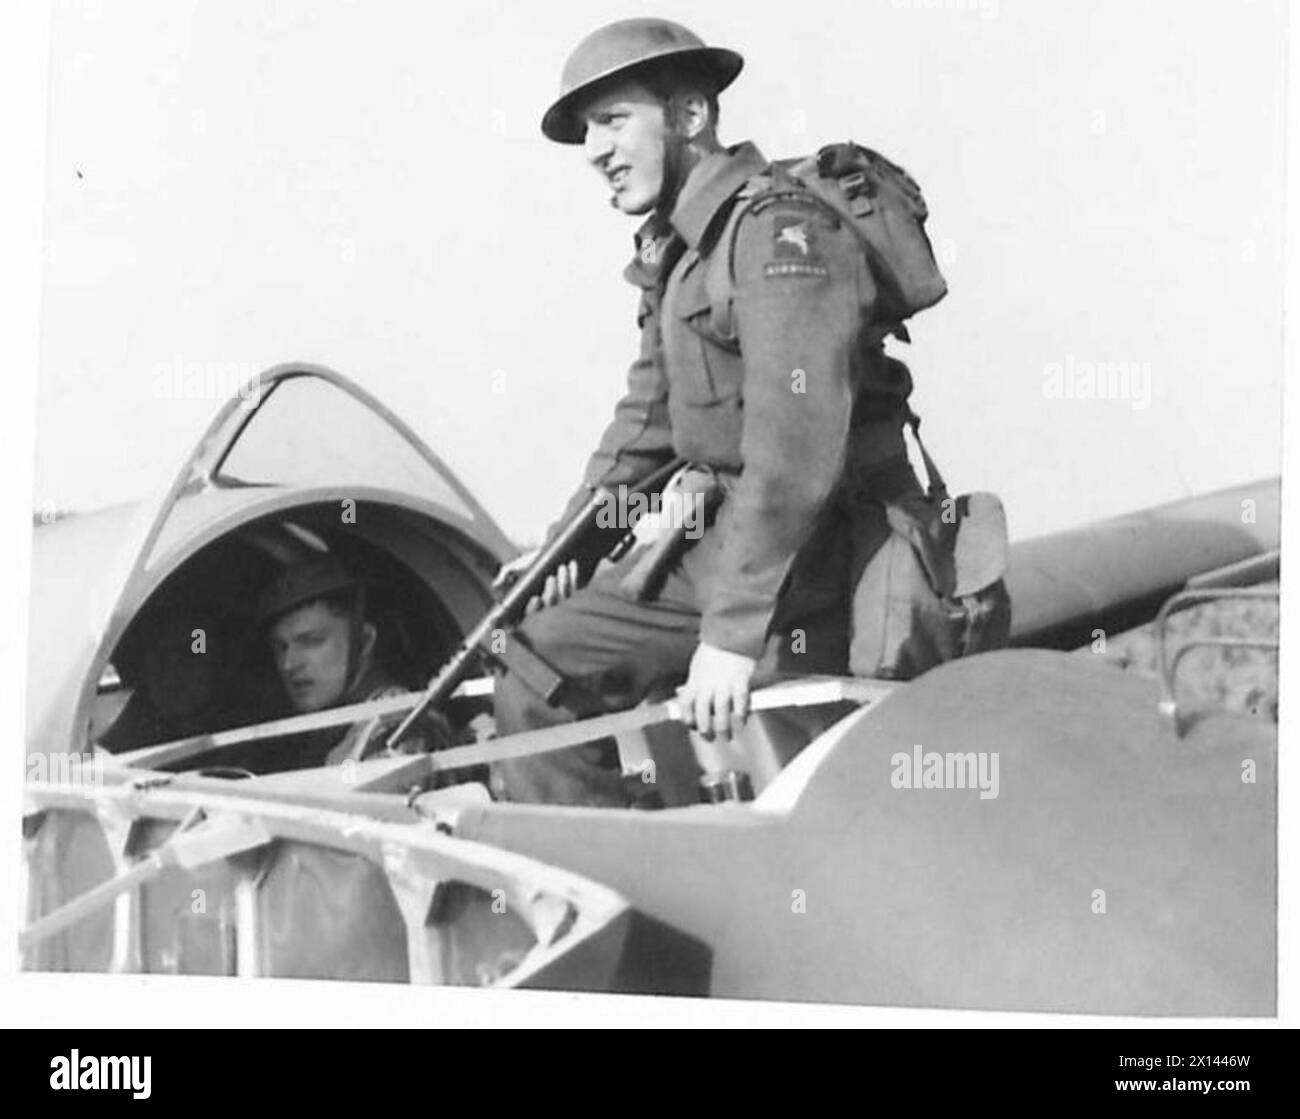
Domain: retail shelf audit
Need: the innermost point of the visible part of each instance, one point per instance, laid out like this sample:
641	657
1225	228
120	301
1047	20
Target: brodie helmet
618	49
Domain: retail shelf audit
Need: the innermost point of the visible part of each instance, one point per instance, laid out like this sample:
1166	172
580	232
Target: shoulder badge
795	251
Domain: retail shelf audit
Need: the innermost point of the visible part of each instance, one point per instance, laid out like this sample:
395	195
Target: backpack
876	199
934	589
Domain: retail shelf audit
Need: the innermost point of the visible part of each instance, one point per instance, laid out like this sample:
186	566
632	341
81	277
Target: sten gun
583	538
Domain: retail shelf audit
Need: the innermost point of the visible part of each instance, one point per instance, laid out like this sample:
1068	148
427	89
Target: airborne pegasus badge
794	251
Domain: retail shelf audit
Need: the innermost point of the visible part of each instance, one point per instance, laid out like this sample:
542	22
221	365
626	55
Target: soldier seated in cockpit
323	641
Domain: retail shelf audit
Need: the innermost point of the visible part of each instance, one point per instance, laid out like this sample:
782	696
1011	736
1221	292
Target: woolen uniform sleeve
799	286
640	437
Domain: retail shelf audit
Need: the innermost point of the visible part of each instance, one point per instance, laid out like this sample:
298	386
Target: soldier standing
771	381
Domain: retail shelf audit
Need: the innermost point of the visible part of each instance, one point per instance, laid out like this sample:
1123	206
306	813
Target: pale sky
365	185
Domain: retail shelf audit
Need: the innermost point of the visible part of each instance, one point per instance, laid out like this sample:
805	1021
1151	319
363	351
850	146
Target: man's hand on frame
715	697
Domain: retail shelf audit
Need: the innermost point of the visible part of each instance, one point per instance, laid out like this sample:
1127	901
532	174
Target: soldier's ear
369	635
693	114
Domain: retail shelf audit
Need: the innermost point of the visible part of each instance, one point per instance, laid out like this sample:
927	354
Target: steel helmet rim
678	44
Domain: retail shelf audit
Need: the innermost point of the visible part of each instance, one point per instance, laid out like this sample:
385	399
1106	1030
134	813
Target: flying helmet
619	48
317	578
305	582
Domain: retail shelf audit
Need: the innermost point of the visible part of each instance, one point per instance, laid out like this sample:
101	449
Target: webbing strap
937	488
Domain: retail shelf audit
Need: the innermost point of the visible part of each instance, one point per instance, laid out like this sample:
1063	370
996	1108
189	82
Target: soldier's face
310	646
627	137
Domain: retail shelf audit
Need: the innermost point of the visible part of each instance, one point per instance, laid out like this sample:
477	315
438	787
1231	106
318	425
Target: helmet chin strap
677	166
356	634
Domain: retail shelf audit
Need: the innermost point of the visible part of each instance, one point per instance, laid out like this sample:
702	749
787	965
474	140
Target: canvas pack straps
936	487
972	530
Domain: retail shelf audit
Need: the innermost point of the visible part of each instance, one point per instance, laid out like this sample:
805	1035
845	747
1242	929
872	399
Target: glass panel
310	433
